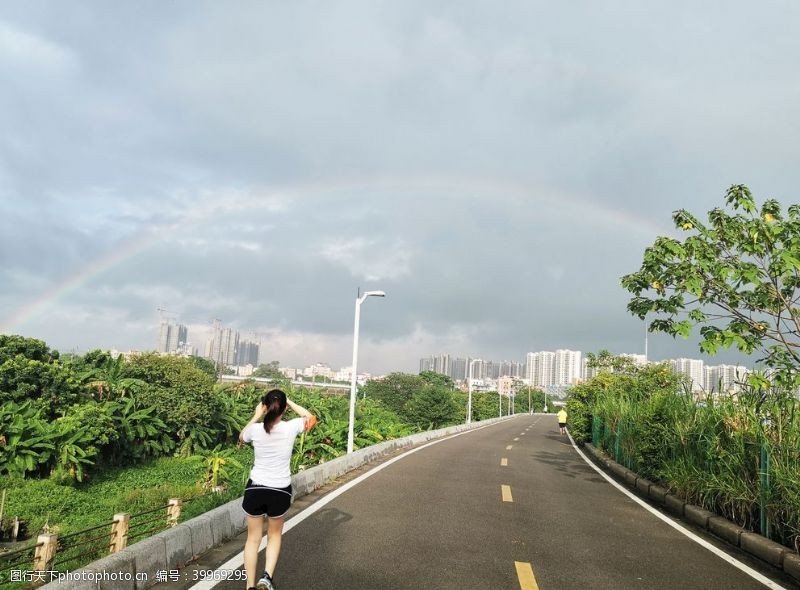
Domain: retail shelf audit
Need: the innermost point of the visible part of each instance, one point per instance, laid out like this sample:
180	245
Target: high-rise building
426	364
693	369
172	337
540	368
509	369
221	348
441	364
458	369
247	353
567	367
725	378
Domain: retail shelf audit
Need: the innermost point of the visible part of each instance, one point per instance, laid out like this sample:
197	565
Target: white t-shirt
273	451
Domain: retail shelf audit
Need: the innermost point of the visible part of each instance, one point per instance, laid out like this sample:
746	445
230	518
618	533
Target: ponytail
275	401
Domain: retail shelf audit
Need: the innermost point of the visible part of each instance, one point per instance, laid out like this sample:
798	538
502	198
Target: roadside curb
174	548
769	551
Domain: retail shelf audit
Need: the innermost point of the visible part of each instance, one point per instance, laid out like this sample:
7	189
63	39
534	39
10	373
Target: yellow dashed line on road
508	448
506	491
527	581
503	462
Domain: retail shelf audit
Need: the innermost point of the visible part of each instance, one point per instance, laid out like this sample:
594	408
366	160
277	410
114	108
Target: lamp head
374	294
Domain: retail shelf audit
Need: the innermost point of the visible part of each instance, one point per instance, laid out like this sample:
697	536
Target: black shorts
260	500
562	424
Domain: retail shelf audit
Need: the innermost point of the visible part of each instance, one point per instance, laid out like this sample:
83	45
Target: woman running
268	492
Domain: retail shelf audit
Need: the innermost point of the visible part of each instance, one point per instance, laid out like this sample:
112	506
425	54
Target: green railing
754	483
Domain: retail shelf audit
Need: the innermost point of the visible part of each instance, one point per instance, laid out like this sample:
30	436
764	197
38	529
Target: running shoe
265	582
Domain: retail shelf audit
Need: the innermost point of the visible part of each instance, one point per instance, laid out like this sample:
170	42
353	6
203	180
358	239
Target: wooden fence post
174	511
45	552
119	532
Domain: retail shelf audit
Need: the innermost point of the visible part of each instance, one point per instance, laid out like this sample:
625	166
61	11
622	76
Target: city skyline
494	171
560	368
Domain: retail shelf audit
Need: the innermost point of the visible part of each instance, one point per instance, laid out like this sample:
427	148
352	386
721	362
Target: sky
495	168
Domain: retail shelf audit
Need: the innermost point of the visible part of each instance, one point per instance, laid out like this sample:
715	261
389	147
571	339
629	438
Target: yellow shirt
562	417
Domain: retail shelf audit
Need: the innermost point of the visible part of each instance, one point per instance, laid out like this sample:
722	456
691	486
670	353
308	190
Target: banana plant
221	467
142	433
72	458
29	441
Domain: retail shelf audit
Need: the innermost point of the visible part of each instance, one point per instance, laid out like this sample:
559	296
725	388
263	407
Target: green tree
183	395
537	400
12	345
607	361
736	276
433	406
270	370
484	405
49	385
206	365
433	378
394	391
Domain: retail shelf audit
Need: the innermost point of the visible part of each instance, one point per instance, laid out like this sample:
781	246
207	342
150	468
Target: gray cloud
495	171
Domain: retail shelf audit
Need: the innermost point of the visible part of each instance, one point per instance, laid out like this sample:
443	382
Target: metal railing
52	552
766	475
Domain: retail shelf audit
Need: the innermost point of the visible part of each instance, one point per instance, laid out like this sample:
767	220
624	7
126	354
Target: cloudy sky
495	168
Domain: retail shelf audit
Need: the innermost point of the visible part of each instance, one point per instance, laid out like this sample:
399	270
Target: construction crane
166	314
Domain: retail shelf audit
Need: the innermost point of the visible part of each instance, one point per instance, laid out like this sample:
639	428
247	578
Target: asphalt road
440	518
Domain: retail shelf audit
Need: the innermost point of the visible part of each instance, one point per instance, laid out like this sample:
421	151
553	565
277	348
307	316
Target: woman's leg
255	530
274	533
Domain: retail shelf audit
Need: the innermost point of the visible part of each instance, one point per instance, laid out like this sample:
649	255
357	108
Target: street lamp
469	390
359	300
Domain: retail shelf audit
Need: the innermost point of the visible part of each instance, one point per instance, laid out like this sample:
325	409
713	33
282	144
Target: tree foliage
433	406
434	378
208	366
29	370
270	370
12	345
736	276
182	394
394	391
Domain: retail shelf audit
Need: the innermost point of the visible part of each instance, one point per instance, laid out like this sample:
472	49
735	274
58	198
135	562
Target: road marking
508	448
506	491
522	434
517	438
503	462
527	581
702	542
237	561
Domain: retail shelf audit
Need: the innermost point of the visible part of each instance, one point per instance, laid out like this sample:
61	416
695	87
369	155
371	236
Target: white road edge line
237	561
702	542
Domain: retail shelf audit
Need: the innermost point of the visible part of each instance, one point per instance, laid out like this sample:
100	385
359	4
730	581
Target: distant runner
268	492
562	421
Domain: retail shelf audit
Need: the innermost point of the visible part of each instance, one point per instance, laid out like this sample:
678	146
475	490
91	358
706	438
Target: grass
711	454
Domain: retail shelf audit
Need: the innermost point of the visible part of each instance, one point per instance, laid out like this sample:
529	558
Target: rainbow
271	198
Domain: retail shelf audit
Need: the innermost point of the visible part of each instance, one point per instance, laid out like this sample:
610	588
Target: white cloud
24	49
370	259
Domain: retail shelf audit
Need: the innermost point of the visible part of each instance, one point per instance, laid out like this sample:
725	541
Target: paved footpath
510	505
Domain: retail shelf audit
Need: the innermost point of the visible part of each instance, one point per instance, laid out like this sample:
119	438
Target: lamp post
545	401
469	391
359	300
